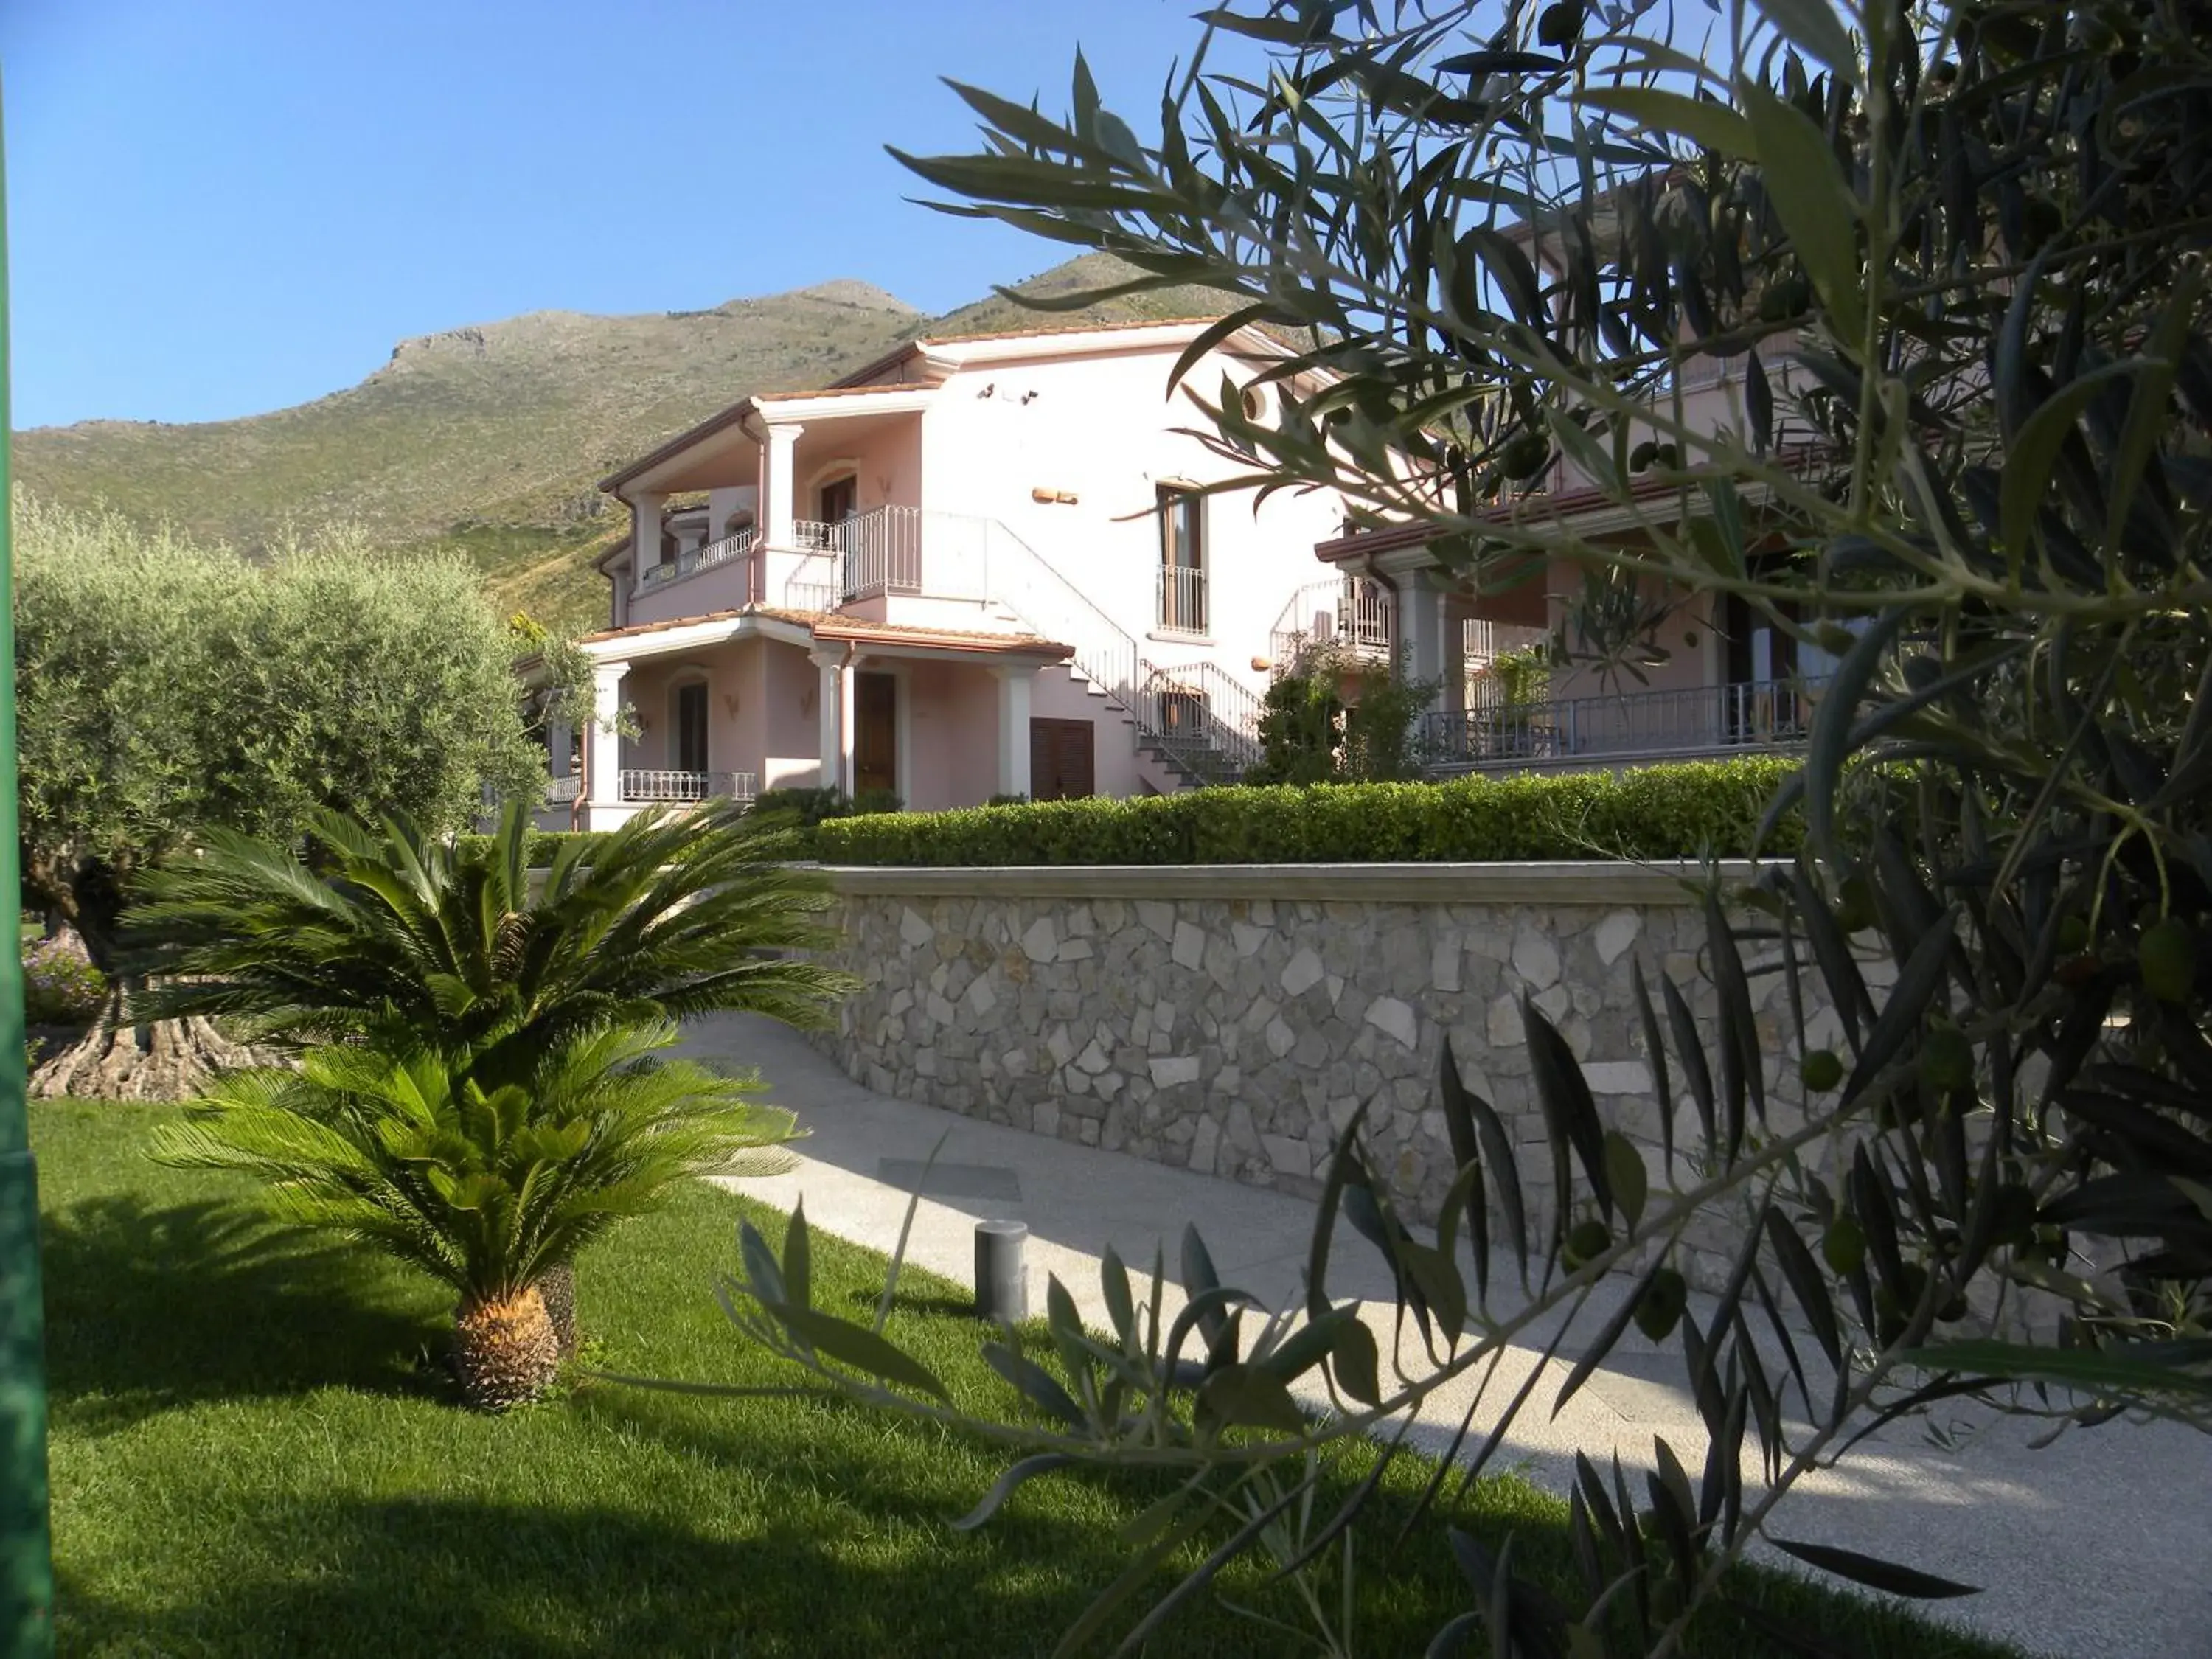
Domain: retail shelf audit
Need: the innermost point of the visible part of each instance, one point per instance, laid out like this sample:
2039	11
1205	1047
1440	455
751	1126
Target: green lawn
254	1453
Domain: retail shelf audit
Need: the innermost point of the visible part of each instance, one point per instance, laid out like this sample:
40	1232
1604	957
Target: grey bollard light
1002	1289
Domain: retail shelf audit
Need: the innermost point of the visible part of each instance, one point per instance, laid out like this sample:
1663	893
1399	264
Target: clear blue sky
227	206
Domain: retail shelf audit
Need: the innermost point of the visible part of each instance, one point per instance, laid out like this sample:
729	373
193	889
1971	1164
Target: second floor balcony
884	552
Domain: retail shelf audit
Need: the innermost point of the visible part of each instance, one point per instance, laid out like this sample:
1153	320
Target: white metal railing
559	792
1204	720
1367	614
691	563
1702	720
1358	611
642	785
1307	618
1179	594
1483	641
956	556
892	549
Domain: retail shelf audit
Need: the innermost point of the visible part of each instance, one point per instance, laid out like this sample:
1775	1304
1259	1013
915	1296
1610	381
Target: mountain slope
491	438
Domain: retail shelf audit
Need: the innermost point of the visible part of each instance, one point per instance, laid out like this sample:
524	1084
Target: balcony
1358	613
888	550
1179	607
1367	617
648	788
725	551
1561	734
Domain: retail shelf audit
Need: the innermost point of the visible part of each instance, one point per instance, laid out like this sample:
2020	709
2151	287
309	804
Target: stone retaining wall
1231	1018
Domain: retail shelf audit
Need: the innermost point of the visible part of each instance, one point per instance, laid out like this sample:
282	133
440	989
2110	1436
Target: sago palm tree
487	1187
391	936
376	931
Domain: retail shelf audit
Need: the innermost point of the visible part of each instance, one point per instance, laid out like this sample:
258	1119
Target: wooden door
1062	759
691	753
875	733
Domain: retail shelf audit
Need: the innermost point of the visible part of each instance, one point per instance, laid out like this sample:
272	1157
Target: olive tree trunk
117	1060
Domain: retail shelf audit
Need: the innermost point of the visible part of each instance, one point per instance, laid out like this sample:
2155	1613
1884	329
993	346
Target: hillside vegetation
491	438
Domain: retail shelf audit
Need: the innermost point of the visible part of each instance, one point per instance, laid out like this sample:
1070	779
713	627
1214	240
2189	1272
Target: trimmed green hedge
543	843
1683	811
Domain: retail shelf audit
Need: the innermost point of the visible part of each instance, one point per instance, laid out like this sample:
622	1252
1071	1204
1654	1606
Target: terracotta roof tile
854	629
661	627
861	629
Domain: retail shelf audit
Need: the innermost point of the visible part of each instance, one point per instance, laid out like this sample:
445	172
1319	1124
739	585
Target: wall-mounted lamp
1053	497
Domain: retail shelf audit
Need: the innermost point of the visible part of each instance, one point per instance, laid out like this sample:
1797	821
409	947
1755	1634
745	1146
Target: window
1182	560
839	499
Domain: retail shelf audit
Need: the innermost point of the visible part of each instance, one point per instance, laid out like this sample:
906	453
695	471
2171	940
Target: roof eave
721	420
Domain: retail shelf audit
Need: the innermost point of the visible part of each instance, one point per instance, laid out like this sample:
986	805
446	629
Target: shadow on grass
378	1578
151	1306
863	1302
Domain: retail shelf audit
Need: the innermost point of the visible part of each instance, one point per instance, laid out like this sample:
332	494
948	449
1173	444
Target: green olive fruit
1526	455
1586	1241
1854	905
1845	1244
2168	956
1785	298
1558	24
1660	1308
2073	934
1641	456
2012	1218
1820	1070
1947	1059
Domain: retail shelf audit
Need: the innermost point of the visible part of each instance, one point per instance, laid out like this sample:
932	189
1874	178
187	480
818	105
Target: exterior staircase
1192	725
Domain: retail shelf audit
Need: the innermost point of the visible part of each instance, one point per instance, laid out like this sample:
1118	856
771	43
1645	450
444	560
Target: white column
1454	655
1421	626
644	532
560	741
775	510
1014	683
830	712
604	737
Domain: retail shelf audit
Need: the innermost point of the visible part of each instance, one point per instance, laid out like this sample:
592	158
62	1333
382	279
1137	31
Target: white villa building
977	567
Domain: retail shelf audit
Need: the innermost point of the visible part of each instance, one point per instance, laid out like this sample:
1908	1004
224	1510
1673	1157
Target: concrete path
2098	1545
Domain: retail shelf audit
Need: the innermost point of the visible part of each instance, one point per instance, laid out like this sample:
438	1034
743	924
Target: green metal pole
26	1566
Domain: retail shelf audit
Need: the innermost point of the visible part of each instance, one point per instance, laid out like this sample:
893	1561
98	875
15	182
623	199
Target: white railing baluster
1703	720
690	564
643	786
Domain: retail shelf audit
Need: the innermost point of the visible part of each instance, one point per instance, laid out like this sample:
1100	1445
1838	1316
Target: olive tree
166	687
1979	234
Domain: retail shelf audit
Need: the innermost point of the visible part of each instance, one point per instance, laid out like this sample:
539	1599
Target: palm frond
368	933
408	1149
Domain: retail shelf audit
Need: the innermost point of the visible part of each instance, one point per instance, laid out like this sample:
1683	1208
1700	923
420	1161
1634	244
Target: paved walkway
2099	1545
